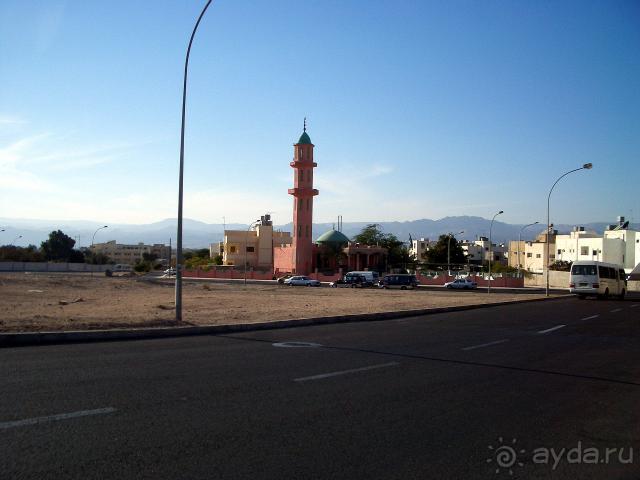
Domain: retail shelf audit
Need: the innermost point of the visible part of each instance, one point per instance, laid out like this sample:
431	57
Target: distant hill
199	234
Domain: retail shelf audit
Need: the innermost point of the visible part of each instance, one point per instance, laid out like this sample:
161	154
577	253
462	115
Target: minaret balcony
303	164
303	192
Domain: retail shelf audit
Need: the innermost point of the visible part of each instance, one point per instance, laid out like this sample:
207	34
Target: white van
372	277
597	278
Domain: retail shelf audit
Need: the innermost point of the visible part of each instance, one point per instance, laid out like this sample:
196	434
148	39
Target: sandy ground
48	302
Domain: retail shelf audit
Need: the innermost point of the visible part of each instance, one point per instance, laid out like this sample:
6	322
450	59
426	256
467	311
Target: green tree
370	235
149	257
436	256
217	260
59	247
398	254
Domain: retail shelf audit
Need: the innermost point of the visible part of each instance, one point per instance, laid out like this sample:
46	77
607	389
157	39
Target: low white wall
51	267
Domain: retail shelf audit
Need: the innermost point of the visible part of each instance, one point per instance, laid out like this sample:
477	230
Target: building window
584	250
299	230
528	255
251	249
559	251
232	249
538	255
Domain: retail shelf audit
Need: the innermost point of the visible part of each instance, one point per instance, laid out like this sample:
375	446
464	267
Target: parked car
371	277
462	283
401	281
170	271
352	280
281	279
300	280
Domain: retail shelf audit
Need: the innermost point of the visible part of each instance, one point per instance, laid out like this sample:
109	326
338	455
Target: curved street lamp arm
178	293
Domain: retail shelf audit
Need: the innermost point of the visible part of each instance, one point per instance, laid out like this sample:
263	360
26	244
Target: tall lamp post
520	240
178	300
490	245
449	250
586	166
94	233
246	242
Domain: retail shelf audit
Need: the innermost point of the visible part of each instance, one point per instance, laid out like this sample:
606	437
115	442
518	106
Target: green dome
304	139
332	237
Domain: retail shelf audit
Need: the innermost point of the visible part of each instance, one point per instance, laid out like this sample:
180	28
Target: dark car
400	281
352	280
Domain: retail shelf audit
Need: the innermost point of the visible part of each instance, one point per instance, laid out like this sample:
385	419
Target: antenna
305	125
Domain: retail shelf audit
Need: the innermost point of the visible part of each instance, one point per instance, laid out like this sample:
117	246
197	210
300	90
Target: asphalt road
440	396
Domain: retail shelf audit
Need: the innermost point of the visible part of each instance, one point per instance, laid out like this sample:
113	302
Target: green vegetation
398	254
436	256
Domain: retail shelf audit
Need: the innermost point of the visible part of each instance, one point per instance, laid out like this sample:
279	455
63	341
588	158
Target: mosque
295	252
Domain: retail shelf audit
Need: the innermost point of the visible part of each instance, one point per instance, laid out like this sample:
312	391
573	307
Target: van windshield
584	270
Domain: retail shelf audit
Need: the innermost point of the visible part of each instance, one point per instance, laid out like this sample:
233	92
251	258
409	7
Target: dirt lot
39	302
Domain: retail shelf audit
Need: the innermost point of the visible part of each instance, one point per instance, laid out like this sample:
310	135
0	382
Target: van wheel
606	294
622	293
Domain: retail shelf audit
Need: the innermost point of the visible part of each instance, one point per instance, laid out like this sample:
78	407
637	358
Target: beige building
131	254
254	245
532	254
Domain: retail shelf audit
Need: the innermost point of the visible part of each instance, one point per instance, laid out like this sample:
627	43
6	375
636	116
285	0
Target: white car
301	280
462	283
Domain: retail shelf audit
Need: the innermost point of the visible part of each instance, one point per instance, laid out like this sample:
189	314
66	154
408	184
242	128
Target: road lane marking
53	418
616	310
344	372
296	345
634	305
485	344
591	317
557	327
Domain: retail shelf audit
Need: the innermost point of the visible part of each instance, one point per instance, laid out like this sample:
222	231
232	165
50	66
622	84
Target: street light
246	241
181	174
586	166
520	239
19	236
94	233
490	251
449	250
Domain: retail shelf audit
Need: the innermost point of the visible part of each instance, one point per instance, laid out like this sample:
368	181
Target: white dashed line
590	318
53	418
344	372
485	344
557	327
616	310
634	305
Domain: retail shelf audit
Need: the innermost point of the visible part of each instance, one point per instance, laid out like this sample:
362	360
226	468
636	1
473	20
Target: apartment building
131	253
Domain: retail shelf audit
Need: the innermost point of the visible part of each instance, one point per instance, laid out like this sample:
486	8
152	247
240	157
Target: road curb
89	336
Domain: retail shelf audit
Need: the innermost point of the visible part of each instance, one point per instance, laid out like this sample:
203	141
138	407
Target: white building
477	251
618	244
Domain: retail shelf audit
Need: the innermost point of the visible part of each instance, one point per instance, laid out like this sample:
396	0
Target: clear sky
417	109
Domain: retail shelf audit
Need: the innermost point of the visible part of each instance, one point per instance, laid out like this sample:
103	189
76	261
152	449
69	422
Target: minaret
303	193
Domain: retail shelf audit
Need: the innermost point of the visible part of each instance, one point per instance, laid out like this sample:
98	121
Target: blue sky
417	109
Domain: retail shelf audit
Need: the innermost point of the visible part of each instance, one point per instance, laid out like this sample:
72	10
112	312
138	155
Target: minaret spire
304	129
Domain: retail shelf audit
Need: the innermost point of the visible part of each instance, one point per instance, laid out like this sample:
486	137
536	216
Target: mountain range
198	234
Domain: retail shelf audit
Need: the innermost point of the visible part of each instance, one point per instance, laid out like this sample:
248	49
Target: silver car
462	283
301	280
